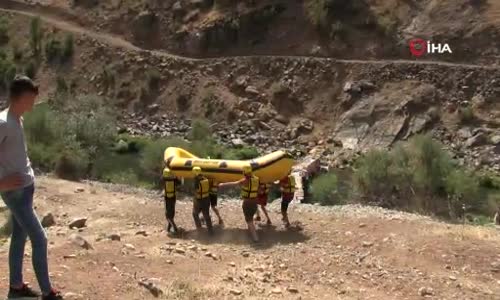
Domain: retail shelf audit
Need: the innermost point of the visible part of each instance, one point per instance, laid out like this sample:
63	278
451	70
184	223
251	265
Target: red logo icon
418	47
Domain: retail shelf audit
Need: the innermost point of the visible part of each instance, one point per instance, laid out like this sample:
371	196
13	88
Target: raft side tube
268	168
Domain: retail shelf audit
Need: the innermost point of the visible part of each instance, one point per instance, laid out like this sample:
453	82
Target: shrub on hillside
466	115
8	71
372	176
152	157
17	53
68	47
243	153
30	70
420	176
153	78
200	130
72	164
36	36
317	12
53	50
4	31
324	189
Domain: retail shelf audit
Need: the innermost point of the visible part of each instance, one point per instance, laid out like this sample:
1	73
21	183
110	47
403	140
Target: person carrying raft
249	188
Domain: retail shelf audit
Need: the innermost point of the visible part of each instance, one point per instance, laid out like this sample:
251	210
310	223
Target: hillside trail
343	252
66	22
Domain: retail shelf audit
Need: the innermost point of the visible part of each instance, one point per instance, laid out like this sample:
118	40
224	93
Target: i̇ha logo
419	47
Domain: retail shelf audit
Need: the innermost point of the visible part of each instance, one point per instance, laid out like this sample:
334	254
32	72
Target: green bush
72	163
200	131
36	36
68	48
463	189
317	12
17	53
30	70
7	70
53	50
419	175
324	189
152	157
61	86
466	115
4	31
372	176
244	153
153	78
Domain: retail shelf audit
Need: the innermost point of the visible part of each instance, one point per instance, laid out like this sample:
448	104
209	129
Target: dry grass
179	290
466	232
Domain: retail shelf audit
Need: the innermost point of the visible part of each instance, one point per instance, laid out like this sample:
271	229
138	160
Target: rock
114	237
169	262
177	8
235	292
425	291
129	247
292	290
151	287
362	225
276	291
78	223
367	244
452	278
79	190
80	241
358	87
237	142
495	140
85	3
252	90
245	254
281	119
242	81
48	220
464	133
180	251
70	295
232	264
144	23
192	248
141	232
69	256
477	140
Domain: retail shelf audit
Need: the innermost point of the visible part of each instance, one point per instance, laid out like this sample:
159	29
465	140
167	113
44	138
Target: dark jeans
202	206
25	224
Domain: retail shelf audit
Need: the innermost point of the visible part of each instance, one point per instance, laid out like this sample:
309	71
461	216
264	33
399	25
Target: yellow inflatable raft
268	168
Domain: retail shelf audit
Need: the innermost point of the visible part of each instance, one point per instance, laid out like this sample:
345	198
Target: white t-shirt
13	150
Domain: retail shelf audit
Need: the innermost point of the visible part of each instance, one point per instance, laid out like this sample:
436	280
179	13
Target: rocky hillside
344	106
339	107
340	28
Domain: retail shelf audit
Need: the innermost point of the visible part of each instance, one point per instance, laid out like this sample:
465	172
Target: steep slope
344	29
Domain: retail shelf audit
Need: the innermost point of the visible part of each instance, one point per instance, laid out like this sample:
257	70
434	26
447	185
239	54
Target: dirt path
342	253
66	21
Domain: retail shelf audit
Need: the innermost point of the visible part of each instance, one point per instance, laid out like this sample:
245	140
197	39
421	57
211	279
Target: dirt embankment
345	252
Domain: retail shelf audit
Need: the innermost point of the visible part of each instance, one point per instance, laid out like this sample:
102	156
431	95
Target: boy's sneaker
54	295
23	293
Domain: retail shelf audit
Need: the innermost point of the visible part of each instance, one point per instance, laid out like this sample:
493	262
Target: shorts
213	200
262	200
249	209
287	197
